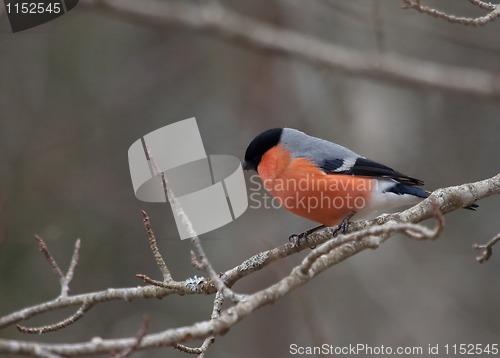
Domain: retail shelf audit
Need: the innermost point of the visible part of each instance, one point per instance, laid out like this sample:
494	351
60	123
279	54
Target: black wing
366	167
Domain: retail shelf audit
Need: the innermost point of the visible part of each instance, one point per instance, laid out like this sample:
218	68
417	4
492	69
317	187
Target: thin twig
48	256
476	21
59	325
162	284
483	5
187	349
486	250
167	277
66	280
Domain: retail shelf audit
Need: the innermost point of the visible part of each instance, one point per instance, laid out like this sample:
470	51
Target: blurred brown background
75	93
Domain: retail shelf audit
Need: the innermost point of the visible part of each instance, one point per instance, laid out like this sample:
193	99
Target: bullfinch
325	182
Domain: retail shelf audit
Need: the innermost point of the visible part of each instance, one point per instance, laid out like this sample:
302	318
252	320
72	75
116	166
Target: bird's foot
344	225
296	239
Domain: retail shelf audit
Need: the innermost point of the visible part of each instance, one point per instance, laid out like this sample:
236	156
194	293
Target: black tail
401	189
471	207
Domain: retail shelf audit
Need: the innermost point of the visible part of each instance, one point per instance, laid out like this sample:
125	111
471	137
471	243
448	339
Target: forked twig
486	250
64	281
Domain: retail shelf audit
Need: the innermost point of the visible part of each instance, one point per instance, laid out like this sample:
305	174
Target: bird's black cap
260	145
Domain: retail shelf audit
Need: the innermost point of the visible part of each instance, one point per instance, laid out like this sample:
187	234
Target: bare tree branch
311	266
449	199
363	235
210	17
59	325
111	294
494	12
202	259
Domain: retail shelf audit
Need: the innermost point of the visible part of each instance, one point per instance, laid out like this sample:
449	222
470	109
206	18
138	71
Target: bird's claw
296	239
343	227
